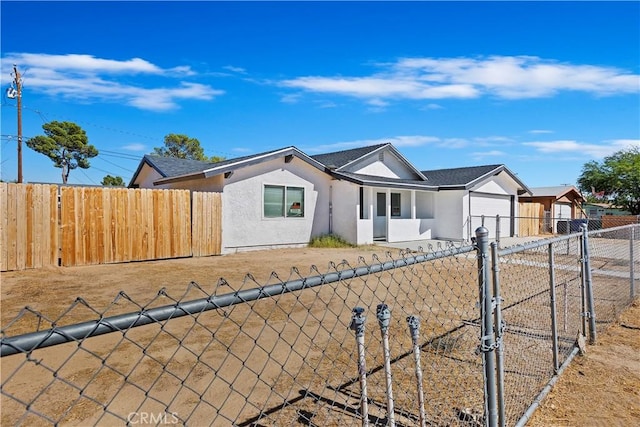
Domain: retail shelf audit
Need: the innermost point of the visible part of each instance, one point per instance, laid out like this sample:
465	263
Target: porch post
371	203
388	218
413	204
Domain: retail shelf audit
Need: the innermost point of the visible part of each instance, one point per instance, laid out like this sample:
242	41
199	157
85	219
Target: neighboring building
285	197
597	210
560	203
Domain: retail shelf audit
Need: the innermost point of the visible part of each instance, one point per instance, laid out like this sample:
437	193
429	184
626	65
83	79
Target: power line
116	165
84	122
120	155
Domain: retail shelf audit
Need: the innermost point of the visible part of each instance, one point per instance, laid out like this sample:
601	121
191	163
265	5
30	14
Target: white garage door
491	205
563	210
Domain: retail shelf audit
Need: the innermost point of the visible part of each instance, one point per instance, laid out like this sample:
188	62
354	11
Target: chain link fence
399	340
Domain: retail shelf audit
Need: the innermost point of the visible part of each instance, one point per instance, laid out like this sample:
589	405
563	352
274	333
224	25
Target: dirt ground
601	387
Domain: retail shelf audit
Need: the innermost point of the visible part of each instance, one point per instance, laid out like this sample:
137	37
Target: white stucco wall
450	214
244	226
401	230
346	211
146	177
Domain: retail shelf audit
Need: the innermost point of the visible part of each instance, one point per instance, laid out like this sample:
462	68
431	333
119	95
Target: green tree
112	181
66	144
184	147
617	176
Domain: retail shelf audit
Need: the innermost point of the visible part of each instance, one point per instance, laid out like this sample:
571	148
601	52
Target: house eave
382	183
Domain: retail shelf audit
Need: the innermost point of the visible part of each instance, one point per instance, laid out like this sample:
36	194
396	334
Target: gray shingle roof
556	191
340	158
458	176
172	166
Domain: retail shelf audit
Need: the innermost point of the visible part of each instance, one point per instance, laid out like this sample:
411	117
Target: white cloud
91	79
90	64
493	140
433	106
540	131
507	77
574	147
492	153
238	70
135	147
291	98
375	87
397	141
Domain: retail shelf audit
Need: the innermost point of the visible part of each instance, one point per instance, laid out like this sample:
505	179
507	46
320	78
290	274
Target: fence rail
489	330
45	225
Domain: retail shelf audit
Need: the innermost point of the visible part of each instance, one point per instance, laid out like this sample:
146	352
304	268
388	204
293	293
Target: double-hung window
282	201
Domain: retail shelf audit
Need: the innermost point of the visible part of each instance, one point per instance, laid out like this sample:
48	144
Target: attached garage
491	205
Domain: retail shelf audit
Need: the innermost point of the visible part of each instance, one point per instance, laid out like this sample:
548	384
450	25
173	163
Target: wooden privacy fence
97	225
609	221
28	226
530	219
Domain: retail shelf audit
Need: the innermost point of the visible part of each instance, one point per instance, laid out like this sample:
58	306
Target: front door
380	217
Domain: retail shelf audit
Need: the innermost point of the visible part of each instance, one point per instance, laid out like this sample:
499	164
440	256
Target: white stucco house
284	197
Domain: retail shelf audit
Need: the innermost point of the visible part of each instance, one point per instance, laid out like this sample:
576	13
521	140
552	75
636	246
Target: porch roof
381	181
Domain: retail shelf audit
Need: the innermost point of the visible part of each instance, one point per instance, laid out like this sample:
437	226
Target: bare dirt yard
601	387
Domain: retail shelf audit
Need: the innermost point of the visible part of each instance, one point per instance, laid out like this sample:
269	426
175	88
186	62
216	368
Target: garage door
563	210
491	205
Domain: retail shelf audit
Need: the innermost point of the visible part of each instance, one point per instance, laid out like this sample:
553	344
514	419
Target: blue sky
542	87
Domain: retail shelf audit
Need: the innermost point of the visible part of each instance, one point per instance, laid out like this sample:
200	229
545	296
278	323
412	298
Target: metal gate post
588	287
498	230
357	325
499	327
632	289
552	295
487	340
583	286
384	316
414	330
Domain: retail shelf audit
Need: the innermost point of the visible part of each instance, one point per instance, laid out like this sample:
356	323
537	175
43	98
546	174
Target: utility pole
18	82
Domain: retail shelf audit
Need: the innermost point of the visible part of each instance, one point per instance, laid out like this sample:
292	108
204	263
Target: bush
330	241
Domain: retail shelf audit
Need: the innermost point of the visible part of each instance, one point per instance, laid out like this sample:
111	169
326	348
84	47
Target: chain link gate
543	305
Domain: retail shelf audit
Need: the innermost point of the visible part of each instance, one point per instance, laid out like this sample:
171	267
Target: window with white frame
395	204
281	201
382	204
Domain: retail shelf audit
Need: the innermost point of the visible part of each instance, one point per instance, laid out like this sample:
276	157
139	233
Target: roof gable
382	160
557	191
467	177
